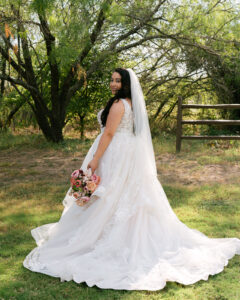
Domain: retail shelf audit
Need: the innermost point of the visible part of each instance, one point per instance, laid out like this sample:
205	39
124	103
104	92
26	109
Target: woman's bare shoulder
117	106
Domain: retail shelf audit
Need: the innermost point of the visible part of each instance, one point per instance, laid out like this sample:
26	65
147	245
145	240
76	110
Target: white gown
128	237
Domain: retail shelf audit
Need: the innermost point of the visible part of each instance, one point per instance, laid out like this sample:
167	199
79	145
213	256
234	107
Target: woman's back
126	124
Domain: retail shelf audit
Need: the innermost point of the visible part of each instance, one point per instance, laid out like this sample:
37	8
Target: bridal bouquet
83	184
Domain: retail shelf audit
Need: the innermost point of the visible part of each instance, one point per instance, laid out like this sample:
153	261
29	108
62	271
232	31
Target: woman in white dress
127	236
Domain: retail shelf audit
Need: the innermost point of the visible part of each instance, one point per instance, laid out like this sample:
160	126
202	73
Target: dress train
127	237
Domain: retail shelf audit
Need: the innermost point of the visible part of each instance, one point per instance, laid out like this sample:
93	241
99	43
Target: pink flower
75	174
95	178
73	181
85	198
83	185
78	183
91	185
76	195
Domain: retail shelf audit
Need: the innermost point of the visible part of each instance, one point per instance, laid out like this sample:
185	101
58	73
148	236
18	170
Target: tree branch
26	54
142	22
9	44
67	92
96	31
13	63
9	19
113	45
24	97
19	82
212	8
139	42
50	44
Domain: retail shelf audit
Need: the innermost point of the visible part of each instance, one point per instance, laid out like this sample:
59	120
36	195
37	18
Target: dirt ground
190	172
24	165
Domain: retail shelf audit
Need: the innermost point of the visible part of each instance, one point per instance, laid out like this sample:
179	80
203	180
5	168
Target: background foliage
57	56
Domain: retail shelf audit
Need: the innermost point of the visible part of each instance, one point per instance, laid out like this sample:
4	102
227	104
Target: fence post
179	125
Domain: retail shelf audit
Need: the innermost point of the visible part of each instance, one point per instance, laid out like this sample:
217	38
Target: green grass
8	141
35	177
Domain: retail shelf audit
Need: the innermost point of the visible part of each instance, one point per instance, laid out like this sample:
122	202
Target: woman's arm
114	118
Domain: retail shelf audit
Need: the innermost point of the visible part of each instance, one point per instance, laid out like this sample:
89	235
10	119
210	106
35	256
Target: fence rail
180	122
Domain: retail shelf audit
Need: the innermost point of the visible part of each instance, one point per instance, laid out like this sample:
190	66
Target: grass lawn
202	183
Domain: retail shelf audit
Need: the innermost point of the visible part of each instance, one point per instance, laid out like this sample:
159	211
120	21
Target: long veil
144	158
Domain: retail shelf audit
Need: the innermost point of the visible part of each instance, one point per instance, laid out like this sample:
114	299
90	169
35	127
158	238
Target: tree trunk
52	133
50	122
3	70
2	81
82	125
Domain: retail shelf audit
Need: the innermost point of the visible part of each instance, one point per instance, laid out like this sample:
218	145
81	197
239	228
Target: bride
127	236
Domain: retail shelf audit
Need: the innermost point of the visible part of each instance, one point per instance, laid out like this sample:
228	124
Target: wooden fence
180	122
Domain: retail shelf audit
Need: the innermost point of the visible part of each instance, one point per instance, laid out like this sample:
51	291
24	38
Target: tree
199	54
90	98
55	39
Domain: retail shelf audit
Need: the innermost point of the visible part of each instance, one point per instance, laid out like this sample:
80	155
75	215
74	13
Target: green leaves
42	6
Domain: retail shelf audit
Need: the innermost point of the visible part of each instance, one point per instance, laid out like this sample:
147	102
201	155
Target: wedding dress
127	237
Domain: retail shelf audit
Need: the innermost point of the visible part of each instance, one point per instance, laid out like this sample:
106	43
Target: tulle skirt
127	237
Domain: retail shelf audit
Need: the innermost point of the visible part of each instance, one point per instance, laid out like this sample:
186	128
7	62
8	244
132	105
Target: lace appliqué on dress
126	124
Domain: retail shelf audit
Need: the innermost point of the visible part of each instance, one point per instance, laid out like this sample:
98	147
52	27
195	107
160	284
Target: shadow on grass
178	196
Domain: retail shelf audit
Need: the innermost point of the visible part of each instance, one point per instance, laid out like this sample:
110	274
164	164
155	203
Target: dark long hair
124	92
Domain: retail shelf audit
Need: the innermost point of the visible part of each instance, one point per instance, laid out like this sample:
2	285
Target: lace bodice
126	124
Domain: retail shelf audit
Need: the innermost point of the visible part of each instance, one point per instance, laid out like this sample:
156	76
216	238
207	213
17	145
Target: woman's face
115	83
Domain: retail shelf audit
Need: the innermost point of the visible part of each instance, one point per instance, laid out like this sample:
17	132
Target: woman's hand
93	164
